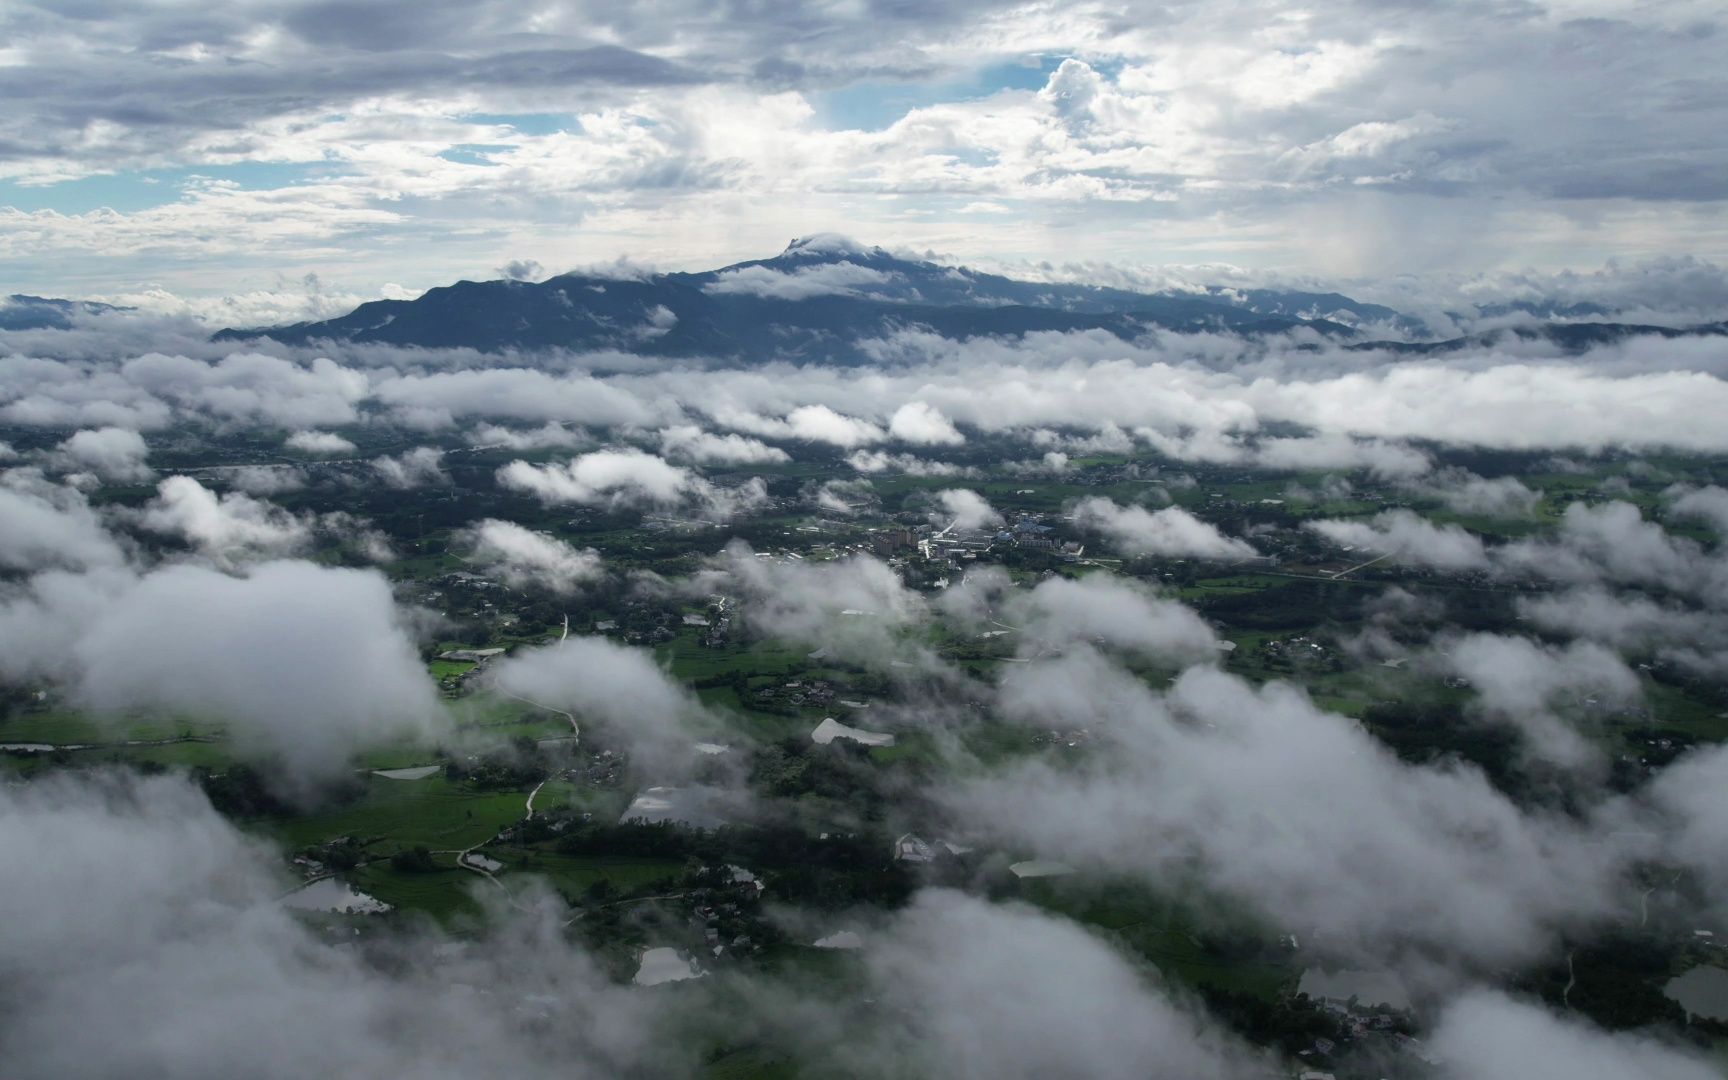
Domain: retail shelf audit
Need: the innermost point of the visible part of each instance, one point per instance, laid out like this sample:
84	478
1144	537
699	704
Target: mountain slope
816	301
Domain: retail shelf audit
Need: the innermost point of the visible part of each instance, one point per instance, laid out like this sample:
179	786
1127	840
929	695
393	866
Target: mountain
21	312
819	300
1572	337
825	299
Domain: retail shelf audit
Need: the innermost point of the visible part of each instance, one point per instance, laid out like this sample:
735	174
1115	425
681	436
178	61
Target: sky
196	149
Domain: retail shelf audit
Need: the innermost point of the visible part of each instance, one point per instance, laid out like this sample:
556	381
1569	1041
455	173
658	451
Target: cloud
304	663
856	607
1613	542
799	283
231	528
1386	460
1501	497
692	444
1407	538
524	557
924	425
875	461
135	907
43	526
112	453
252	389
1256	795
1707	504
1117	612
1520	682
550	435
1170	533
321	443
267	479
973	989
966	509
628	477
620	689
422	466
819	423
1693	639
1485	1035
1688	795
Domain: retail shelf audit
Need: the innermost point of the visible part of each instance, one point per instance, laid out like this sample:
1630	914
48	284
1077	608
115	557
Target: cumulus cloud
620	689
1384	459
1694	639
253	389
1486	1035
1708	504
604	476
923	424
629	477
524	557
1408	538
1613	542
1171	532
857	607
798	283
1256	794
320	443
304	663
1501	497
422	466
267	479
112	453
819	423
692	444
973	989
875	461
549	435
966	509
1113	611
44	525
133	905
228	528
1520	682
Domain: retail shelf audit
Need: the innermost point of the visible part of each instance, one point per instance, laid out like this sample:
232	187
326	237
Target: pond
664	965
1369	987
332	895
1703	991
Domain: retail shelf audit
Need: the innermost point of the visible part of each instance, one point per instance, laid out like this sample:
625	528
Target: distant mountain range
21	312
826	299
820	299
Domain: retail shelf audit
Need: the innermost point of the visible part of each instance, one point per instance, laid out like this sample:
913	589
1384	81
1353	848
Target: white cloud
112	453
422	466
799	283
966	509
321	443
1407	538
692	444
923	424
1171	532
304	663
630	477
1485	1035
523	556
234	527
43	525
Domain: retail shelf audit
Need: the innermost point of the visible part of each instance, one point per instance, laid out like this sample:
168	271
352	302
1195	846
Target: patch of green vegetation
395	814
1227	956
575	875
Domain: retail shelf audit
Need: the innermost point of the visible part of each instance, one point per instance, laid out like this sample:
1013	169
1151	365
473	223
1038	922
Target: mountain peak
825	245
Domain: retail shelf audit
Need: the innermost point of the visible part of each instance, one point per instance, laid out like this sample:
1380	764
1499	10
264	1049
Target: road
1359	566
